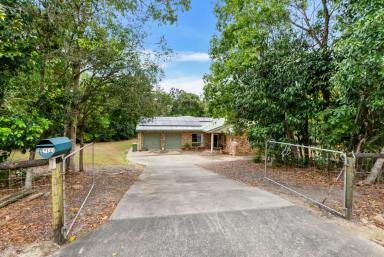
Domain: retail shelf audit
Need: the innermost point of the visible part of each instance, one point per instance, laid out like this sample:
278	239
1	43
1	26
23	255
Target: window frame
198	139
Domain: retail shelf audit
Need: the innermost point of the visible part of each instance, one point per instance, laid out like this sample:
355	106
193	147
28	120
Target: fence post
265	158
57	202
348	187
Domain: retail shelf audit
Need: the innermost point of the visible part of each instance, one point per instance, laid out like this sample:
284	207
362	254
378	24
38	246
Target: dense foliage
77	68
178	103
308	72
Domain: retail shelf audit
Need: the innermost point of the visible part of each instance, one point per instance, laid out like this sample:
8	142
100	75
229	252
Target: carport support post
211	143
57	201
348	187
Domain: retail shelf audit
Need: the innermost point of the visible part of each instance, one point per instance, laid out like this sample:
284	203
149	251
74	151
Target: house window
196	139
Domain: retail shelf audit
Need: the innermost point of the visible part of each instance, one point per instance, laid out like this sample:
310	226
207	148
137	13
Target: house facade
187	133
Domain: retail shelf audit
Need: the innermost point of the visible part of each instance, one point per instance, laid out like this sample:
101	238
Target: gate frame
65	231
348	170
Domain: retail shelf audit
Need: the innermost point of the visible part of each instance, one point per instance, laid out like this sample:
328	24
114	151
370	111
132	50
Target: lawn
106	153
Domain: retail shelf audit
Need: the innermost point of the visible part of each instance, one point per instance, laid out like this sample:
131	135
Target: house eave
170	129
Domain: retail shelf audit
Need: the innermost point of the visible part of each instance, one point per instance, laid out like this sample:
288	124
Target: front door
216	141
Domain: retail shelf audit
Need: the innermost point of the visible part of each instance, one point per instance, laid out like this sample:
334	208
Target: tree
301	71
163	103
184	103
98	44
60	59
272	67
177	103
19	133
360	75
247	29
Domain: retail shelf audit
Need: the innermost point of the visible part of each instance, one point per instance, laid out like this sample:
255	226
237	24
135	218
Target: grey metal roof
214	125
181	123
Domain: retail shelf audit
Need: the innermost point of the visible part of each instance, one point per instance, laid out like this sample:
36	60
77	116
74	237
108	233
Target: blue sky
189	40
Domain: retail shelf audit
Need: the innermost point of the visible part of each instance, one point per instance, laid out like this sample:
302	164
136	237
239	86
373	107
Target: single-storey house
186	132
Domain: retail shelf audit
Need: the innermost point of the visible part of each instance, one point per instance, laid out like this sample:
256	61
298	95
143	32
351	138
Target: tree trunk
305	141
376	170
71	163
66	128
81	154
288	131
360	119
74	112
29	175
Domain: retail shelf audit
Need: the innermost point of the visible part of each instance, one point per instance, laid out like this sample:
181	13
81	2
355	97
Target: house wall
140	141
162	141
242	147
207	140
187	138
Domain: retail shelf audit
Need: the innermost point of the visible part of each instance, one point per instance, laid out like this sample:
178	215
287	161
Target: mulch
29	221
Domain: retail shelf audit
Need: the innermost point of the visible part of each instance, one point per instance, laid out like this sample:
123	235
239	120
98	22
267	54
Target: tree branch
325	31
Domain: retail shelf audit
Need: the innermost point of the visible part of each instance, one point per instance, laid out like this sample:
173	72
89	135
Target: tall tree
66	61
184	103
93	35
360	75
247	29
272	66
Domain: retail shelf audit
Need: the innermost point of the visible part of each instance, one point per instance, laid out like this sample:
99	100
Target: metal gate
84	188
316	174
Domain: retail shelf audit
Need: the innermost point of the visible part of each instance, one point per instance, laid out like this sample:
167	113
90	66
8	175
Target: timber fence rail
18	182
59	193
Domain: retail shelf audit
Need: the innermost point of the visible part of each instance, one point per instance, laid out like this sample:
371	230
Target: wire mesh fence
368	195
369	168
316	174
25	204
23	182
78	183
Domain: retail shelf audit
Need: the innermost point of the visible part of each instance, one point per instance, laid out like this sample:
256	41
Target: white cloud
190	84
191	57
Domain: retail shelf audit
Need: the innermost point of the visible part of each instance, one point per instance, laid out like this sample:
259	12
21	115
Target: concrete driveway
179	209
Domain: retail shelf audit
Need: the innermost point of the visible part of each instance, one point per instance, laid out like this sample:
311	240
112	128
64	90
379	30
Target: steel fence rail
308	147
67	230
294	165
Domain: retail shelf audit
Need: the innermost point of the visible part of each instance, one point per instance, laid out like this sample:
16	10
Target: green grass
109	153
106	153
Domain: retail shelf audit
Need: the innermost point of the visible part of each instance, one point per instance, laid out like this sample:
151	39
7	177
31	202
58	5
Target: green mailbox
52	147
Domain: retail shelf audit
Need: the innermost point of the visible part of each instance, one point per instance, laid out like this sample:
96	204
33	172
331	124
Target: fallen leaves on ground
26	222
368	201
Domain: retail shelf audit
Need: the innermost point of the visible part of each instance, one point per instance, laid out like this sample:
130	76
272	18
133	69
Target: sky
189	40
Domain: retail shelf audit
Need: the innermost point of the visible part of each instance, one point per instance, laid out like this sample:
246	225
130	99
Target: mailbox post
51	149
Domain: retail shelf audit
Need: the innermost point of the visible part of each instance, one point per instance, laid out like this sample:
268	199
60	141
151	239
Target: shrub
187	146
